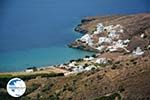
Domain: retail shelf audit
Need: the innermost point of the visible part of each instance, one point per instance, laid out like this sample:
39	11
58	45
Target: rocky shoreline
106	35
132	30
119	69
126	34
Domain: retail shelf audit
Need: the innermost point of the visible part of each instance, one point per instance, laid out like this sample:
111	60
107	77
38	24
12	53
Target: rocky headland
109	29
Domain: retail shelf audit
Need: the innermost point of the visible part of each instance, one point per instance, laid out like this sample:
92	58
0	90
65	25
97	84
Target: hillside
124	41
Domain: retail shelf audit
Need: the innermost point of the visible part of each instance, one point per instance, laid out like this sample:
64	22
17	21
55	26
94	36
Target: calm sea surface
36	32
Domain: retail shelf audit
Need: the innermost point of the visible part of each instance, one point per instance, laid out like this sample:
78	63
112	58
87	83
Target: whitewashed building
100	48
29	70
88	59
100	28
138	52
104	40
87	38
89	68
113	34
101	61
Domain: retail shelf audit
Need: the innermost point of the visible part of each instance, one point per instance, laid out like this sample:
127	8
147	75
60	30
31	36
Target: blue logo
16	87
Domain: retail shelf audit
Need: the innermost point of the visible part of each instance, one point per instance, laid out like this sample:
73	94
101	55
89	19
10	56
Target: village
103	39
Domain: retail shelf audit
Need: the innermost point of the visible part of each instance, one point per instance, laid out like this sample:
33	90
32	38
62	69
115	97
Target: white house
112	48
100	48
78	69
142	35
113	34
72	64
88	59
126	41
108	28
87	38
29	70
121	30
100	27
89	68
101	61
138	52
118	44
104	40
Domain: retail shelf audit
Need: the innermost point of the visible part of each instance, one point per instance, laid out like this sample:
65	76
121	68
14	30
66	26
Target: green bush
121	89
93	55
118	62
47	87
30	76
25	98
5	96
6	77
53	97
32	88
99	65
114	66
4	80
111	97
87	56
79	60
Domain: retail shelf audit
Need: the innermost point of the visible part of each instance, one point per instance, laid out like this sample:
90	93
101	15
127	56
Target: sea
36	32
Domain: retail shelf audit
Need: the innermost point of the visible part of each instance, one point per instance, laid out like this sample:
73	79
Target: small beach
18	61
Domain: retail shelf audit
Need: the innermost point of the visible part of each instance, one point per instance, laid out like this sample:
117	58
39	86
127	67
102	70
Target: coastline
38	57
87	26
119	70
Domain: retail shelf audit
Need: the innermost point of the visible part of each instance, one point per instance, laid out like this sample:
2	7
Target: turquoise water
39	57
36	32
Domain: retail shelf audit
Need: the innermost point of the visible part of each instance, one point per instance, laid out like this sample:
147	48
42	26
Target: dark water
35	32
